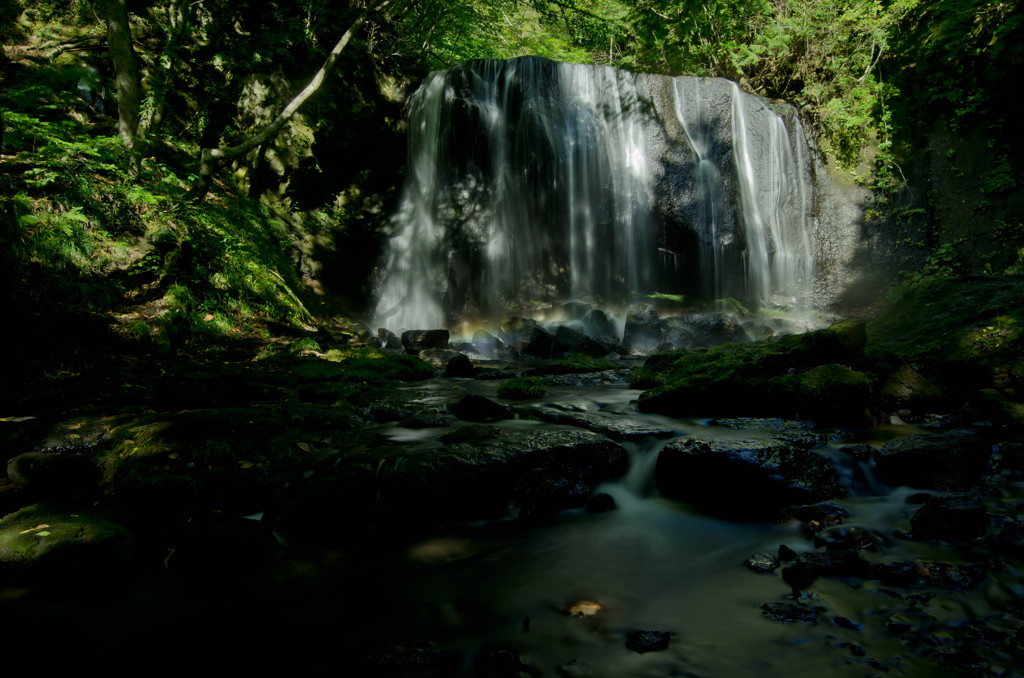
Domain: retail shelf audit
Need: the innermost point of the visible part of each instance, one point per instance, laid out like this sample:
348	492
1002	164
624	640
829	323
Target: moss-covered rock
51	538
905	388
827	394
523	388
776	377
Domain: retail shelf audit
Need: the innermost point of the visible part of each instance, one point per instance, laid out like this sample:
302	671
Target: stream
559	595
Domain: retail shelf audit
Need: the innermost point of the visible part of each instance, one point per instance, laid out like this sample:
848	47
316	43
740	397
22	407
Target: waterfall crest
530	180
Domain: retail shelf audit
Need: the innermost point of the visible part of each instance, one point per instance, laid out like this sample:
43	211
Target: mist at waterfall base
531	182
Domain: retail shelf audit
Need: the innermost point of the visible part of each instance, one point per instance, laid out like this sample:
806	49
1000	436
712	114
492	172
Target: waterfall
775	207
534	181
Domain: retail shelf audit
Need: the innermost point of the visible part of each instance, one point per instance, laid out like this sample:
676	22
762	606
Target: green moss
577	363
522	388
827	394
644	377
735	378
45	536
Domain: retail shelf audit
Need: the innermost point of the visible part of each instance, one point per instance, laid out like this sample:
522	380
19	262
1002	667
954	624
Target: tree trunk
210	158
126	71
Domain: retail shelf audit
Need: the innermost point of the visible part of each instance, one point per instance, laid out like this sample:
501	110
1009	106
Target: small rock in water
818	517
574	669
950	519
847	623
437	357
788	613
812	565
419	656
897	625
416	341
427	419
498	663
846	537
898	573
787	554
600	503
647	641
479	408
763	563
954	576
389	342
459	367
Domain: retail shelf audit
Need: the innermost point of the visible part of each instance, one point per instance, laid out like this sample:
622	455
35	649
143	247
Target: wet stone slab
616	427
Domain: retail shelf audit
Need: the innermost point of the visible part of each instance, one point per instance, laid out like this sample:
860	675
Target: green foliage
447	34
1000	178
960	53
824	56
942	262
1009	247
522	388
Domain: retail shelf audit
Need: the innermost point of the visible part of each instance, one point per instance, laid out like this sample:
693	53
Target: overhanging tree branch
210	158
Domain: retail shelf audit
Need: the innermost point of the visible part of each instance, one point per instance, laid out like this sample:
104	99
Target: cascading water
531	180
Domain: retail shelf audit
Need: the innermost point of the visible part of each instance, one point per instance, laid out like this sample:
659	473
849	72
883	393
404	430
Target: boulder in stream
480	409
642	335
714	329
527	337
569	341
459	367
520	474
947	460
390	344
744	479
438	357
596	323
416	341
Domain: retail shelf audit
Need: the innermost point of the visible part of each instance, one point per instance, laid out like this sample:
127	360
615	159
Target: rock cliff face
535	180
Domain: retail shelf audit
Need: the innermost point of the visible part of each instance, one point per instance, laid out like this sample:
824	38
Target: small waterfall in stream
530	180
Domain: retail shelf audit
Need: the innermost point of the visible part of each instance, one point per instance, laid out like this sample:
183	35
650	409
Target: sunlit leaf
584	608
35	529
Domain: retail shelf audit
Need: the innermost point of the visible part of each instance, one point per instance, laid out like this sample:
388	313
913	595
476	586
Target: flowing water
656	564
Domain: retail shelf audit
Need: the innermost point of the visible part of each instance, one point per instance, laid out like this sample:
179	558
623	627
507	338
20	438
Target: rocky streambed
445	532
